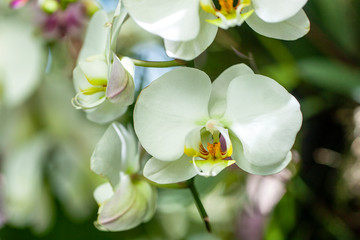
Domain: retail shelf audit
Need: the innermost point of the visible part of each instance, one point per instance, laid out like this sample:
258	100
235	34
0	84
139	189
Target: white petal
149	195
247	166
265	118
192	142
169	108
170	19
169	172
290	29
21	62
115	152
105	112
217	102
189	50
97	36
117	22
211	168
95	71
277	10
80	81
103	193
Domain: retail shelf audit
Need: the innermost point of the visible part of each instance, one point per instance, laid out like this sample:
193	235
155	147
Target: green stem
158	64
199	204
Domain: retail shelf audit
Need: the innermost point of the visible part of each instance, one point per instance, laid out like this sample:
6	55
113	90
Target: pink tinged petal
265	119
225	141
289	29
120	88
170	19
169	108
128	207
277	10
217	102
164	172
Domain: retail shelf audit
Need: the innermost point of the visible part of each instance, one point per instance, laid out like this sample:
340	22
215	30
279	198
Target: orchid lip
210	160
228	15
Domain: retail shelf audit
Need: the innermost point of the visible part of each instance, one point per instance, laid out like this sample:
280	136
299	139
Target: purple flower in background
69	22
18	3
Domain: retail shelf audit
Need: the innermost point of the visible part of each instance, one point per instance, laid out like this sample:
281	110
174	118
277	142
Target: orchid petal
211	168
120	88
117	22
103	193
190	49
290	29
247	166
123	210
277	10
97	36
192	142
170	19
132	203
105	112
95	72
116	151
164	172
149	195
169	108
21	62
217	102
265	118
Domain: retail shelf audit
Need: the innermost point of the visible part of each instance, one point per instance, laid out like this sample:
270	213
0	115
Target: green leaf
332	76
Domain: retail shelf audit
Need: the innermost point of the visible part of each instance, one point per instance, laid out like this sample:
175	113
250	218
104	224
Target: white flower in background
184	23
27	201
104	83
20	73
191	126
125	201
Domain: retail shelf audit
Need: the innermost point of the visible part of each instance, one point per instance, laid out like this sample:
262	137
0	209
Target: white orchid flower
191	126
184	23
125	201
104	83
17	38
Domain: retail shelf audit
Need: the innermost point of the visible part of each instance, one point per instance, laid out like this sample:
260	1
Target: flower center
215	157
230	13
227	5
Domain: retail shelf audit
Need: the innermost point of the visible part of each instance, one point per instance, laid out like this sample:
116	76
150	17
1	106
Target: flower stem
199	204
158	64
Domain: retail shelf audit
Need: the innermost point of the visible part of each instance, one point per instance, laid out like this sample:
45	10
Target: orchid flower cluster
188	124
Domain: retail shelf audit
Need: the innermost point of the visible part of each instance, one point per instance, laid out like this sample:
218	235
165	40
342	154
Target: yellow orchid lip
92	90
